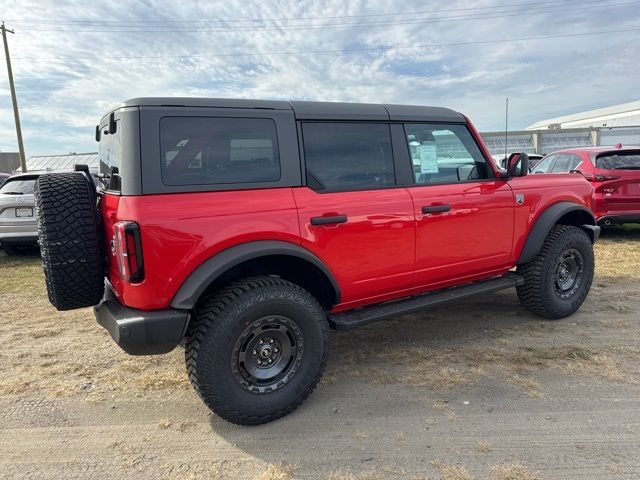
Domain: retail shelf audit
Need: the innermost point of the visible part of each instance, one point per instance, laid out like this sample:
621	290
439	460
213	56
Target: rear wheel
256	349
558	279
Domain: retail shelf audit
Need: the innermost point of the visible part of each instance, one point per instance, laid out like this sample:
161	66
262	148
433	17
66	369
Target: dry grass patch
616	244
384	474
278	471
452	472
443	378
512	471
529	386
169	380
165	423
484	447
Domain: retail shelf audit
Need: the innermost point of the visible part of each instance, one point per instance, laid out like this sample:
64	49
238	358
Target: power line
283	19
481	16
342	51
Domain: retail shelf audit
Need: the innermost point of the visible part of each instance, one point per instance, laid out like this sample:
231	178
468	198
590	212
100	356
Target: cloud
62	100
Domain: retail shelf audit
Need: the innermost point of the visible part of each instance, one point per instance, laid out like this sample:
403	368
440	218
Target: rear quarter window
110	155
214	151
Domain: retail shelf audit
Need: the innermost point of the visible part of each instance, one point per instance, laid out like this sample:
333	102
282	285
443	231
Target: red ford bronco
246	229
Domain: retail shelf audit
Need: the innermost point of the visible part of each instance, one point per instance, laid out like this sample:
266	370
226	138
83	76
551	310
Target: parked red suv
246	229
614	173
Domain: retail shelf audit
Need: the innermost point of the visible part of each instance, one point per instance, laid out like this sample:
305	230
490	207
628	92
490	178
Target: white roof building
623	115
62	162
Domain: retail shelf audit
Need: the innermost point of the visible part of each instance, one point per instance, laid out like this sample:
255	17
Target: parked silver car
18	226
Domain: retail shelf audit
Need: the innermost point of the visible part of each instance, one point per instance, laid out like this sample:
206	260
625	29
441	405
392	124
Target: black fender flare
203	276
547	220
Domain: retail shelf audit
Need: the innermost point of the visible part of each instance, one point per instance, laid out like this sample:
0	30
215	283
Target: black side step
362	316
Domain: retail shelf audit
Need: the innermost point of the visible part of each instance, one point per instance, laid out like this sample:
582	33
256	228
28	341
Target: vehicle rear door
464	214
352	213
618	175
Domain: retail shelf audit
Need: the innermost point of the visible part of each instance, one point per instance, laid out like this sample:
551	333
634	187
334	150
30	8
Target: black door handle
436	208
328	220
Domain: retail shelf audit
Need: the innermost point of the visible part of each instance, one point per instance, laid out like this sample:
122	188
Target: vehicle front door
464	213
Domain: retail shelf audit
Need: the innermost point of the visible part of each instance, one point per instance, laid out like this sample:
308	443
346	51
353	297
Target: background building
604	126
62	162
623	115
9	161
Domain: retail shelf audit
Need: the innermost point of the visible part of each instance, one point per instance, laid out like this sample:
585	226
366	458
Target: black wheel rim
569	273
267	354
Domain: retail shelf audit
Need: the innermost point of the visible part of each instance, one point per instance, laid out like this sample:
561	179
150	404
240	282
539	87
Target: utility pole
16	116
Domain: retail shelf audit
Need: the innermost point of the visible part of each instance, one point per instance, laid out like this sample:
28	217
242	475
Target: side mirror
518	164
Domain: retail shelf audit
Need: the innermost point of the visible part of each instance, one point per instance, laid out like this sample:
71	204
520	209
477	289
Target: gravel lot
476	390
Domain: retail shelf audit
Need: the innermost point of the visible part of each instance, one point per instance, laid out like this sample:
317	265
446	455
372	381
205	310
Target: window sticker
428	157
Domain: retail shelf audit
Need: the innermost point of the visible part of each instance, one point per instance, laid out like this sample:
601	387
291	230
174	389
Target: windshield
619	161
18	187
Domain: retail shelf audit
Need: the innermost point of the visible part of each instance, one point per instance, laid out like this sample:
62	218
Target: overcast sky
73	60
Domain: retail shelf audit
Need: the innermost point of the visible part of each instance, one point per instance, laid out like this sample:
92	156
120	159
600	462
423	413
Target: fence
547	141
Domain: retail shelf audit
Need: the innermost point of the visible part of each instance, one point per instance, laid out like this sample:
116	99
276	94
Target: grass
278	471
485	447
452	472
512	471
38	358
618	252
65	354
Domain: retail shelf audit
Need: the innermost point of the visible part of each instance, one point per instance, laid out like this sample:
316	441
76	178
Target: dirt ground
477	390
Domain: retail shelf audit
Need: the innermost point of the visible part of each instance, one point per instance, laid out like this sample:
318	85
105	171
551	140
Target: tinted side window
575	161
545	164
348	156
562	164
207	150
444	154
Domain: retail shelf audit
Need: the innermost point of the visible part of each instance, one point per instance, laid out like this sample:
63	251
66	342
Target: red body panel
539	194
474	237
372	254
180	232
386	250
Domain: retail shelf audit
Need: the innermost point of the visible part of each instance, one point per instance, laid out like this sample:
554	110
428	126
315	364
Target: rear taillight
600	178
605	178
128	251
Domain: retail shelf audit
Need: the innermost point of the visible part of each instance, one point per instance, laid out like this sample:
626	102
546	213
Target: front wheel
558	279
256	349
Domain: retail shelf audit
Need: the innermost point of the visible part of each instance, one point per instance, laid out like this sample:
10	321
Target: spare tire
70	239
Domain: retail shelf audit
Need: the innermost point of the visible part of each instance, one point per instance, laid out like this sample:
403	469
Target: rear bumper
19	233
619	218
140	332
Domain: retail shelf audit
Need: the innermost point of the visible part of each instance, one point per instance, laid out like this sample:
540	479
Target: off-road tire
218	323
538	293
70	240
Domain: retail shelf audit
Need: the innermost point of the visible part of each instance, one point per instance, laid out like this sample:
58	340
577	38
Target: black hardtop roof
304	110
